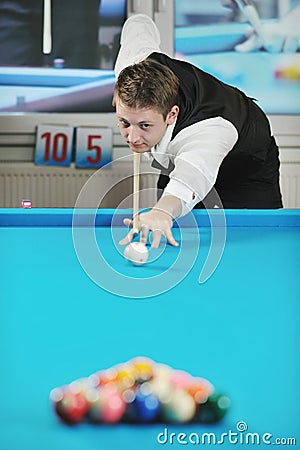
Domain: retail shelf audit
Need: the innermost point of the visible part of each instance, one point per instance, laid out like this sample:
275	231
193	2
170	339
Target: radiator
290	185
59	187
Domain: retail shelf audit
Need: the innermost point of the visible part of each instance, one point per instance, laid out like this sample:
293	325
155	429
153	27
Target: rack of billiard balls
139	391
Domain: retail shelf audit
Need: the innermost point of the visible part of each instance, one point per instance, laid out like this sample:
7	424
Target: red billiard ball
106	404
70	406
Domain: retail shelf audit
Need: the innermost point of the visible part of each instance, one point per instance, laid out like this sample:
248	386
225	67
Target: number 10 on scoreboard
54	146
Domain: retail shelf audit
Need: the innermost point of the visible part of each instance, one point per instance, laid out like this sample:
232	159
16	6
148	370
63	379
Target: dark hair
147	84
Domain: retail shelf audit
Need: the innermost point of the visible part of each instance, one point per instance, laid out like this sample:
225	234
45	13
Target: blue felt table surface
240	329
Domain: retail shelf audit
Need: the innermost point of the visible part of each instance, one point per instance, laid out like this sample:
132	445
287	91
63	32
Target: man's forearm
169	204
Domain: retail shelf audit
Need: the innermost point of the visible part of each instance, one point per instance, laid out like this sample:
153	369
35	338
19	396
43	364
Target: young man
212	144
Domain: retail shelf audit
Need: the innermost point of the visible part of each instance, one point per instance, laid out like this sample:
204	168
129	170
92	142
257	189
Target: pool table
47	89
61	319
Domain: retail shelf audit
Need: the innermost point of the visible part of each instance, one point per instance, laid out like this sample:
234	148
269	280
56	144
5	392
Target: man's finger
127	238
144	233
170	238
128	222
251	44
156	237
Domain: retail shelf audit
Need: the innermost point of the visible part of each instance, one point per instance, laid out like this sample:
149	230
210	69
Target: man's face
142	129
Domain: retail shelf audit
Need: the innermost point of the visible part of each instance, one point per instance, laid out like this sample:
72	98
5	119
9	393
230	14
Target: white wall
17	146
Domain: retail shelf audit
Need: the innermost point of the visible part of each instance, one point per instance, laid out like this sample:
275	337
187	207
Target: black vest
202	96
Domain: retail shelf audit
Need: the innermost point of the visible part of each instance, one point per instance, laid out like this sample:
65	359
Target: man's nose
133	134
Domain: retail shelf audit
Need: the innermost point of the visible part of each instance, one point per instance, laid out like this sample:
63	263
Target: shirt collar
159	152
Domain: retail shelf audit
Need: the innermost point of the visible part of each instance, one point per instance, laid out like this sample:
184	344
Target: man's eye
145	126
124	123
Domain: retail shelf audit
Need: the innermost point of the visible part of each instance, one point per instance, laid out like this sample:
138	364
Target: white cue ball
136	253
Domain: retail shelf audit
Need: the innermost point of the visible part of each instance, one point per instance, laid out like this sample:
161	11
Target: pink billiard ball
136	253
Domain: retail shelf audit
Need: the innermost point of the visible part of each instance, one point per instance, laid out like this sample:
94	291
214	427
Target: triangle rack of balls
139	391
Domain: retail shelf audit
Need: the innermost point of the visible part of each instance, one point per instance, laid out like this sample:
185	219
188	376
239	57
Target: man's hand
275	37
281	36
229	3
159	220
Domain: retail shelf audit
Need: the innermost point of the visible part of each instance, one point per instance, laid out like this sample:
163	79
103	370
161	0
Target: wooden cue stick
253	18
136	189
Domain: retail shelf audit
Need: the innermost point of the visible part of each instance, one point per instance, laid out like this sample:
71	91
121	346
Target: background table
239	329
266	77
55	90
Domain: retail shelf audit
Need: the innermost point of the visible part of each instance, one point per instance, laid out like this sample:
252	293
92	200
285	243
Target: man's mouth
137	146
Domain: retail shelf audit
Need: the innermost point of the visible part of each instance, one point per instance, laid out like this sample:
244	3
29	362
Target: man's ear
172	115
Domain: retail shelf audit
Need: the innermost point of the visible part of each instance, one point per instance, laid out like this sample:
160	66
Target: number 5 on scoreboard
54	145
93	147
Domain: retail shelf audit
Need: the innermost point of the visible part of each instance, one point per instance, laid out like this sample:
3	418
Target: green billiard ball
213	410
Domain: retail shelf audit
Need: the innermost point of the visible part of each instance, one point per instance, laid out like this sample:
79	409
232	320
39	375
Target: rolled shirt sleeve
198	153
139	38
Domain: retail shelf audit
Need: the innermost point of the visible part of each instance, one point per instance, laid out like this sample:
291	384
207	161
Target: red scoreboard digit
54	145
93	147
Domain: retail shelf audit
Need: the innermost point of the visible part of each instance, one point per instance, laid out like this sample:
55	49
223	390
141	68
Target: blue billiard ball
147	406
